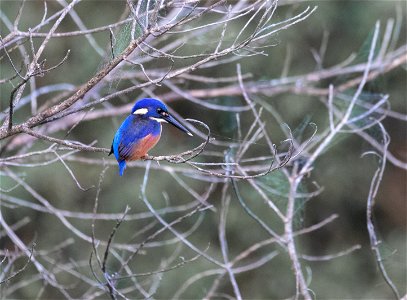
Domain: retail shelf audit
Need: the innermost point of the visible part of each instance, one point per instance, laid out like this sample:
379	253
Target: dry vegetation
108	249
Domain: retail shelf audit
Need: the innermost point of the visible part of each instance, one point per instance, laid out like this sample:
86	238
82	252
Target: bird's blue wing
132	130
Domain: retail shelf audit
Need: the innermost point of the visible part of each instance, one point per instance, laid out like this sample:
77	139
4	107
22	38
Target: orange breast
143	146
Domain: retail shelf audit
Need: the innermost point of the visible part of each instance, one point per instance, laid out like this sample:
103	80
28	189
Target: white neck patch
141	111
159	120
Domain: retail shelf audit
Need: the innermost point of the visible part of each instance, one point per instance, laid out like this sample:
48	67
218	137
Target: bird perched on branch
141	130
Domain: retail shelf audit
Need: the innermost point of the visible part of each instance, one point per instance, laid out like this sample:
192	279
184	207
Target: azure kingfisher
141	130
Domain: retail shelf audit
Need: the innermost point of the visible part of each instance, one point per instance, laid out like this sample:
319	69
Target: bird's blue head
155	110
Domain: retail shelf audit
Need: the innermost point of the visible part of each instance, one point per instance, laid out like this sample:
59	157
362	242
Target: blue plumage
141	130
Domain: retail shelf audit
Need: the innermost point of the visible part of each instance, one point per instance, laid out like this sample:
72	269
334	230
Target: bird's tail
122	166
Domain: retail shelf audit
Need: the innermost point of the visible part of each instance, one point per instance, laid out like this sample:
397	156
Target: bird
141	130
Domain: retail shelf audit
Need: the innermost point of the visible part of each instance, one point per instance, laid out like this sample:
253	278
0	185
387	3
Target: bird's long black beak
170	119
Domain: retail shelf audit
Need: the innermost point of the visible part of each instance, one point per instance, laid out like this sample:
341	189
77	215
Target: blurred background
344	28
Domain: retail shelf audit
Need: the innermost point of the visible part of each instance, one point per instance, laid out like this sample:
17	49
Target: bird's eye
162	112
